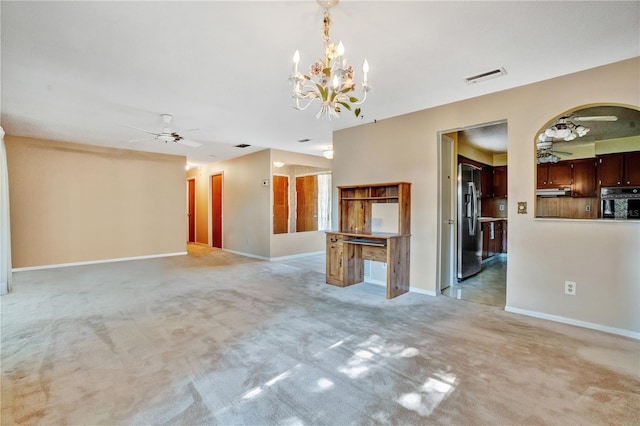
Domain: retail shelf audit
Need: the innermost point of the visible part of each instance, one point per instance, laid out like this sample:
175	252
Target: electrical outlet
501	207
587	208
570	288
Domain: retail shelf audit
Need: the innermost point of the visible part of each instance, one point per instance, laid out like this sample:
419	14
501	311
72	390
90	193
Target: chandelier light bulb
365	70
340	48
296	60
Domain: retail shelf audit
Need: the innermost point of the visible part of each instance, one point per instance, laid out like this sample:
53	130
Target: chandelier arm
302	108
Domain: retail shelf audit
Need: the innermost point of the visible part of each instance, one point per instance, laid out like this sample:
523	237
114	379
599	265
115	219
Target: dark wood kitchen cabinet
584	178
610	169
500	182
494	242
498	231
632	168
620	169
554	175
486	182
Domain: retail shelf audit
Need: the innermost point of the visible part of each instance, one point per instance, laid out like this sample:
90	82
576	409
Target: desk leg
398	256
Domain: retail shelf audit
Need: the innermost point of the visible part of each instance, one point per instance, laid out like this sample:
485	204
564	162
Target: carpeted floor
216	338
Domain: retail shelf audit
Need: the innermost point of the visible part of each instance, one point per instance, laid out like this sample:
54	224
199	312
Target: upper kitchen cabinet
610	169
486	181
621	169
584	178
632	168
500	182
554	175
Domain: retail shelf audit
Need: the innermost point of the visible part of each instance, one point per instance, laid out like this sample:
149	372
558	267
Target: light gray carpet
215	338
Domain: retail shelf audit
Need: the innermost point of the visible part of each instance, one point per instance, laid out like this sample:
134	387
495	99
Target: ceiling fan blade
142	130
140	140
596	118
186	142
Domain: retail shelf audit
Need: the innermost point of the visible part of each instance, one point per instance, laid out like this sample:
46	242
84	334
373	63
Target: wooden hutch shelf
354	241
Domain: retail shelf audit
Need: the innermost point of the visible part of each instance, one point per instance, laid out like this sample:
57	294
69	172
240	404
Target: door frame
210	208
440	258
195	224
446	260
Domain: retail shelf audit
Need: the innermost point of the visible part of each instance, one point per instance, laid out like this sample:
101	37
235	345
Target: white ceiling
79	71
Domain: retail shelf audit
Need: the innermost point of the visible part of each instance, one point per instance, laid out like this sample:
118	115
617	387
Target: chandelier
330	80
565	129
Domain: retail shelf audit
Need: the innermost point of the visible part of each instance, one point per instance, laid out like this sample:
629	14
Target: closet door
306	203
280	204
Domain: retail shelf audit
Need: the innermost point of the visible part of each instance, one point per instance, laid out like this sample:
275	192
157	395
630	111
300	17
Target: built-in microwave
620	203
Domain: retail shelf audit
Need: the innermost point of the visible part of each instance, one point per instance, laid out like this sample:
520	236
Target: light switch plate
522	207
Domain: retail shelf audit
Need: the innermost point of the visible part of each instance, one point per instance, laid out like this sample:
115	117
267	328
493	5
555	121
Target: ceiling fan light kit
330	81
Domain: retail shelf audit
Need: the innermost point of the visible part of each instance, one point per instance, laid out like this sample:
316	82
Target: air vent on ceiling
242	145
486	76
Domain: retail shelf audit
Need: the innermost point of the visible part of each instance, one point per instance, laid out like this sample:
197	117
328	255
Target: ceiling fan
564	129
166	134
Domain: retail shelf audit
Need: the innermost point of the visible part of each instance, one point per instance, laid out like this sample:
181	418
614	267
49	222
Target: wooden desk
346	253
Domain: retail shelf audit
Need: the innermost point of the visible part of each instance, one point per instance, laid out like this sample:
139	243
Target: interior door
306	203
191	210
447	212
216	210
280	204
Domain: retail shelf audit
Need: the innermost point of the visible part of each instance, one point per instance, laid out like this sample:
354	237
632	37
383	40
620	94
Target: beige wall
247	205
297	242
601	257
75	203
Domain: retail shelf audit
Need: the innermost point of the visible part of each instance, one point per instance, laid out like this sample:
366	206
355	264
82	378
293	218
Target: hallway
488	287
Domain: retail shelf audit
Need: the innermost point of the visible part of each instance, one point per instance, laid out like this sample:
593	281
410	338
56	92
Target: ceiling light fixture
278	164
566	130
330	80
328	154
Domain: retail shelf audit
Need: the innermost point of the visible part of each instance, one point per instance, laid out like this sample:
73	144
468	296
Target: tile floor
489	286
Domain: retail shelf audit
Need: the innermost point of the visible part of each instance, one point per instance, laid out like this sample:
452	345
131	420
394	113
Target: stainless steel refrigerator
469	259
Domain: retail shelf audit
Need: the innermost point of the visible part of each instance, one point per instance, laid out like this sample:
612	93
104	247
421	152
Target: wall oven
620	203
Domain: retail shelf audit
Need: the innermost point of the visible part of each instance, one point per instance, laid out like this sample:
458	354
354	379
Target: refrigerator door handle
473	207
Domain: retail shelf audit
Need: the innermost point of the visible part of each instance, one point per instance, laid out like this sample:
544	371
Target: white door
447	222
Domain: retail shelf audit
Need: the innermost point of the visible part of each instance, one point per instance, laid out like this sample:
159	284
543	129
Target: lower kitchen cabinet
494	238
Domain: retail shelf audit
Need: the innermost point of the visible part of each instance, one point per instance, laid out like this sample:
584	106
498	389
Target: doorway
191	210
485	148
216	210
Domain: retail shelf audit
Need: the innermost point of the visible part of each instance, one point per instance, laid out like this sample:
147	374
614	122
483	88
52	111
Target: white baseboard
295	256
571	321
254	256
94	262
421	291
